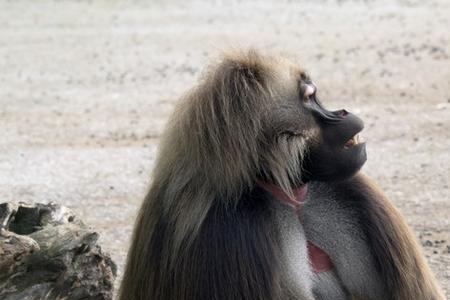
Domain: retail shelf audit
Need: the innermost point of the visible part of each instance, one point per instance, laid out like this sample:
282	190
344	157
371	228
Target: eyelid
309	90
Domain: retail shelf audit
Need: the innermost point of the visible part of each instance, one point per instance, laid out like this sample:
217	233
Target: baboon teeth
360	139
355	140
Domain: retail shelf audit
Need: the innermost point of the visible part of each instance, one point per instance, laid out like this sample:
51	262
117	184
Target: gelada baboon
256	195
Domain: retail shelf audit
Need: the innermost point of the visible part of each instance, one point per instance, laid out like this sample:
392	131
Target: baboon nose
343	113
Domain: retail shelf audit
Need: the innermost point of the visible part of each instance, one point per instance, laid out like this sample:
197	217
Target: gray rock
46	253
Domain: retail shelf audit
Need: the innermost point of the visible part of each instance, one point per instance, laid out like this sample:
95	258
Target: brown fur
204	231
209	157
399	257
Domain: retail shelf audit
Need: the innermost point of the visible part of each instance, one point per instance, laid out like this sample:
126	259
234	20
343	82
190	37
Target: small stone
428	243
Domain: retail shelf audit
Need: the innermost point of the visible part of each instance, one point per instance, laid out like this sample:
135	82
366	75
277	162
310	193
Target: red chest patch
319	259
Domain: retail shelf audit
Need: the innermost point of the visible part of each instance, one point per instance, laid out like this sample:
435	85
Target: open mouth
355	140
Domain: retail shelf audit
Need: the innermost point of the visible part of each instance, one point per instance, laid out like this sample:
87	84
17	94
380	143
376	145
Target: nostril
343	113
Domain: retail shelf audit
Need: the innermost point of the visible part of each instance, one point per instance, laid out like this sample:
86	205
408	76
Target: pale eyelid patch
310	89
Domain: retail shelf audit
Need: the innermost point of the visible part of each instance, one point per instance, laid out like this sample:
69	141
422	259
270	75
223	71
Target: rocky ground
86	87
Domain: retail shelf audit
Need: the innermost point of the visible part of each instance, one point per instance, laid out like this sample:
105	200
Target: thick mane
217	127
215	138
210	149
213	151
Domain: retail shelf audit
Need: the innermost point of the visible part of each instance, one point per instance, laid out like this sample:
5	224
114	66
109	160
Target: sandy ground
86	87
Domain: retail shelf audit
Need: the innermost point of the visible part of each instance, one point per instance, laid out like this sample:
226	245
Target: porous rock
47	253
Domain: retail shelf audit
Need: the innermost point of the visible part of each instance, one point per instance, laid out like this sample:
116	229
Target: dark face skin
339	155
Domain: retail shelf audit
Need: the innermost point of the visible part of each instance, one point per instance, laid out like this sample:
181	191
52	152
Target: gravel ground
86	87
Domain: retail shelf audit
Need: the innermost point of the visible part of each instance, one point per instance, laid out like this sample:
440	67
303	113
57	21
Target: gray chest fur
334	228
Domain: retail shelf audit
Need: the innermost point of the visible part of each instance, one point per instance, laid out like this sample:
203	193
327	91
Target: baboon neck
299	194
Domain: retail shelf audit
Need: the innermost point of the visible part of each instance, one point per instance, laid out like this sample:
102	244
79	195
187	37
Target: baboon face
334	149
258	118
339	153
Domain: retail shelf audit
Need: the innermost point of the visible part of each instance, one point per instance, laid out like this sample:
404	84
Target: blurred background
87	86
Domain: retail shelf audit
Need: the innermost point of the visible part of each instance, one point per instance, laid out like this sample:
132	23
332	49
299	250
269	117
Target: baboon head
258	118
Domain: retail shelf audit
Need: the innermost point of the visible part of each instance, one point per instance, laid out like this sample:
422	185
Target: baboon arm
374	252
396	252
333	224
